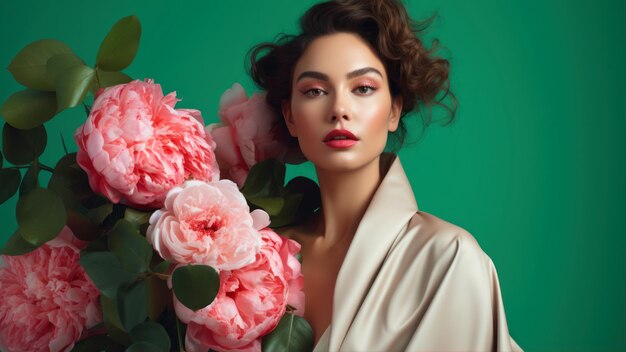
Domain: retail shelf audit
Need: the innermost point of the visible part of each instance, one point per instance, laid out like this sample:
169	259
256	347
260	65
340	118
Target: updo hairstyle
414	73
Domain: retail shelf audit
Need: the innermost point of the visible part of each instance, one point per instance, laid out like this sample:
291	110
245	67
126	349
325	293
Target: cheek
307	117
375	117
307	114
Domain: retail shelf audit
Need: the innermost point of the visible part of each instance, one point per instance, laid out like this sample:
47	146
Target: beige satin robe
411	281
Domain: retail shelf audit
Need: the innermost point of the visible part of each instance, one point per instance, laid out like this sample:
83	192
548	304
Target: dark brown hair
414	73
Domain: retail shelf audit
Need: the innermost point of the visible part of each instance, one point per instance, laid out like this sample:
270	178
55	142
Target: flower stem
36	171
181	347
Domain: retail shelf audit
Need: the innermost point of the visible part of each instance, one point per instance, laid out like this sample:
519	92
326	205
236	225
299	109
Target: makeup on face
341	107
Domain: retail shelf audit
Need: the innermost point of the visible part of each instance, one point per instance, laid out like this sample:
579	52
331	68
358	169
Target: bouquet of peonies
137	243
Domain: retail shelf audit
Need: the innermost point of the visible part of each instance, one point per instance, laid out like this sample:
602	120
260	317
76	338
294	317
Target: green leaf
9	183
70	182
139	219
110	79
195	286
100	244
1	159
16	245
40	215
29	65
100	343
143	346
58	65
97	215
112	321
153	333
73	85
159	296
272	205
119	47
23	146
29	182
288	212
82	227
162	267
264	179
132	250
292	333
29	108
105	271
132	304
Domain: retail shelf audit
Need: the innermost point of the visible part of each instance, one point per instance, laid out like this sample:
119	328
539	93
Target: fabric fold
411	281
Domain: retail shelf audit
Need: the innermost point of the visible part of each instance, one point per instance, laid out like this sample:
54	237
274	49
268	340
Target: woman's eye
365	90
314	92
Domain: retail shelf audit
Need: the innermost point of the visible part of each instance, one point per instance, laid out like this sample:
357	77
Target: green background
533	167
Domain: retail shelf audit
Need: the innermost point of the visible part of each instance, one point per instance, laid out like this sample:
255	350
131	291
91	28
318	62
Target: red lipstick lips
340	139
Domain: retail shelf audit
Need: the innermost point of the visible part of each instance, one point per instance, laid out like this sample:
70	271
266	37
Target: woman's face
341	109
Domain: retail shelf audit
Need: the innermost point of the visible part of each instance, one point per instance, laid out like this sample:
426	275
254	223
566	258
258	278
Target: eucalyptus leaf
272	205
109	79
97	215
292	333
119	47
264	179
40	215
105	271
29	181
132	304
9	183
153	333
132	250
159	296
162	267
82	227
112	321
139	219
288	212
29	108
70	182
29	65
72	86
143	346
16	245
21	147
100	343
195	286
100	244
57	65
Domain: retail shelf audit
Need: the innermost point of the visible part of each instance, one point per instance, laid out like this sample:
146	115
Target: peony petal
260	219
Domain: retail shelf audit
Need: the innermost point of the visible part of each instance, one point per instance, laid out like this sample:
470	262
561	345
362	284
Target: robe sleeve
462	308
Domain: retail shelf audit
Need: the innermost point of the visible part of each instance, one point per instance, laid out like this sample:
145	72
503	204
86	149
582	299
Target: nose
341	108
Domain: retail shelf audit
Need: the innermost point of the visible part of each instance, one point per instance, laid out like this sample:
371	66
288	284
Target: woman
380	275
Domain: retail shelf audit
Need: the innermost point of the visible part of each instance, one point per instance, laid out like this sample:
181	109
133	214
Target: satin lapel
389	212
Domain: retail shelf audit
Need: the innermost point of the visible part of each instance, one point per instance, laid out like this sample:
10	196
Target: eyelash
309	94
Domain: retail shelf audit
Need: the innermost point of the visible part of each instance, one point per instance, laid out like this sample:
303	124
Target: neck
345	197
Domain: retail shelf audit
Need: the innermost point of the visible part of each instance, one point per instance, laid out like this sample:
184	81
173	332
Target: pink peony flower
135	146
47	301
207	223
248	133
250	302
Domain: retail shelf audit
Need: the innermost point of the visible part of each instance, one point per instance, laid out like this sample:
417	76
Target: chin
343	161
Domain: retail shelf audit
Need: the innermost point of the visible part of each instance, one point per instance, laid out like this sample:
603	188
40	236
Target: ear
394	115
286	108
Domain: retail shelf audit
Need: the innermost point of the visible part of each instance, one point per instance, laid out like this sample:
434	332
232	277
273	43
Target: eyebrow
324	77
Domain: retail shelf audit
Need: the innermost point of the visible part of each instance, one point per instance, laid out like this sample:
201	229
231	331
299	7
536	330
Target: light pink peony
207	223
135	146
47	301
250	302
248	133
